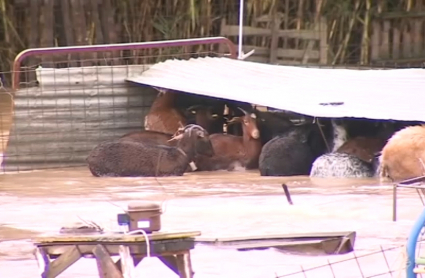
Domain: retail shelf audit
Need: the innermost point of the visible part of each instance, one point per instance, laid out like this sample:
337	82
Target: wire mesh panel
385	262
63	107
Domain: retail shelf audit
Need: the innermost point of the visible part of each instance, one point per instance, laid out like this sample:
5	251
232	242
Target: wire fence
66	101
385	262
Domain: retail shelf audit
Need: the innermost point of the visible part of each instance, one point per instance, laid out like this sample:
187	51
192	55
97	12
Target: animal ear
161	90
253	116
200	133
177	137
234	120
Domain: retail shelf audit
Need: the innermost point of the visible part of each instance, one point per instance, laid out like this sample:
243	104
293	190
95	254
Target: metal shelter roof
397	94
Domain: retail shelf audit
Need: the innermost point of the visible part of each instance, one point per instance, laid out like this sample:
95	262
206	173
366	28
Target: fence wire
385	262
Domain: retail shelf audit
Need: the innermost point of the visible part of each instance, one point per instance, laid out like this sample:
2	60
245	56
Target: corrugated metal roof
72	110
397	94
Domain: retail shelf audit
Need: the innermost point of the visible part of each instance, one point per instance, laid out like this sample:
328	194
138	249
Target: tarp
397	94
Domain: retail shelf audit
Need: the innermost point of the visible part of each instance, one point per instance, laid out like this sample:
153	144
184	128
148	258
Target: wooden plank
64	261
257	59
281	236
297	54
289	62
394	15
280	53
375	40
137	248
233	30
106	266
118	238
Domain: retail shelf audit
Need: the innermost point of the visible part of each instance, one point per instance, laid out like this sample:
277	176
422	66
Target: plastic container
144	216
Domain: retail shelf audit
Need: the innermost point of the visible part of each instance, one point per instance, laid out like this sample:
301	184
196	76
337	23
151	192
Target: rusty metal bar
114	47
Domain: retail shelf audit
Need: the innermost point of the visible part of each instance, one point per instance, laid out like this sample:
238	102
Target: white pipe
240	53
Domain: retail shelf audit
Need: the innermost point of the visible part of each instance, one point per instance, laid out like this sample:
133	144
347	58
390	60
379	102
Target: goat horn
181	125
246	113
195	107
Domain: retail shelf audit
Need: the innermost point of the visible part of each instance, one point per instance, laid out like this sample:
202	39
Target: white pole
240	53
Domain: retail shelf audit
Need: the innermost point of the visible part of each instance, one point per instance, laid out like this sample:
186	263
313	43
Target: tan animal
163	116
403	157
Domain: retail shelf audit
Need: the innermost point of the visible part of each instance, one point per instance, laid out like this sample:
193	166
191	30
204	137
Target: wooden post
127	263
184	265
43	261
323	44
106	266
396	43
394	202
375	41
274	39
64	261
385	44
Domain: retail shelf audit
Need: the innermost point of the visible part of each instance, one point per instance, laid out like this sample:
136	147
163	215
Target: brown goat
230	150
205	117
163	116
403	157
156	138
364	148
126	158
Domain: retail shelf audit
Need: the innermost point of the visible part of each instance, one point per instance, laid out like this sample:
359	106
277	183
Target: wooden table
172	248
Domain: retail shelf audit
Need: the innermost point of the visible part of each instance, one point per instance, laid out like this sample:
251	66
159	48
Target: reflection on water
217	204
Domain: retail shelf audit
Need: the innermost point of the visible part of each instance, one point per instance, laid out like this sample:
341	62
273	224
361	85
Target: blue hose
411	245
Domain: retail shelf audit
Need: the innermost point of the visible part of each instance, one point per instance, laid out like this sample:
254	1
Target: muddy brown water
217	204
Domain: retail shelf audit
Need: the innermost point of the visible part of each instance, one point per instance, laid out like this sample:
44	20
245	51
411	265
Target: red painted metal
114	47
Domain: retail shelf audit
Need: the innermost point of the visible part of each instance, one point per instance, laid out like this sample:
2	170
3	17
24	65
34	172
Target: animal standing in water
126	158
231	150
403	157
293	152
341	165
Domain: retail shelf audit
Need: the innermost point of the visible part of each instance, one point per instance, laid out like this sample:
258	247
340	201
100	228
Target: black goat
208	117
293	152
125	158
271	124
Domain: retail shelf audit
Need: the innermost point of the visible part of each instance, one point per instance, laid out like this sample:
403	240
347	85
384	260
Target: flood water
219	204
